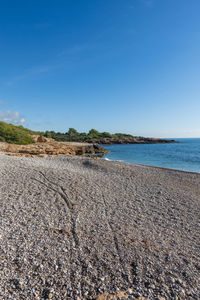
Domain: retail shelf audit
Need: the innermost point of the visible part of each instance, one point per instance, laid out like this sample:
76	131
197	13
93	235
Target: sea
184	155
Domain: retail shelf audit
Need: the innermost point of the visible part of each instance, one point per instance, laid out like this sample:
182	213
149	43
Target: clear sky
114	65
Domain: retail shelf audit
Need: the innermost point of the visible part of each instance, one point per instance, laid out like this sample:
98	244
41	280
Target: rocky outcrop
46	147
130	140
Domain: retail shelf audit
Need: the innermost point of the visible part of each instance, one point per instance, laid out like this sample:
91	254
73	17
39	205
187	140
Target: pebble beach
81	228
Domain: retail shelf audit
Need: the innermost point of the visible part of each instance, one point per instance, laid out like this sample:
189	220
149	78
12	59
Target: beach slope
78	228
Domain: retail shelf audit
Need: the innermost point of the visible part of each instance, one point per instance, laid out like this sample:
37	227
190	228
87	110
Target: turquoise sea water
184	155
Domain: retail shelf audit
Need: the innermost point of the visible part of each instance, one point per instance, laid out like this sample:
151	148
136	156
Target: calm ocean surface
184	155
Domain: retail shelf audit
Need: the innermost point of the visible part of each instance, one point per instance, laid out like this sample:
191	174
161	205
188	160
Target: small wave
119	160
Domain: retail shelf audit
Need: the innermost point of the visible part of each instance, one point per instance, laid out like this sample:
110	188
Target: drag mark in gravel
73	220
114	236
60	190
62	195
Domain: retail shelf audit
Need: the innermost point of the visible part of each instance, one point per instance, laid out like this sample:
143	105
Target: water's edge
183	156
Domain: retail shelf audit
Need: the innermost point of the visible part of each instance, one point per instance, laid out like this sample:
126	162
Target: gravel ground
76	228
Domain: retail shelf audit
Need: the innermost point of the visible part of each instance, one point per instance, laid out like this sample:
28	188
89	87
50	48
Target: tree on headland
47	134
106	135
93	134
72	134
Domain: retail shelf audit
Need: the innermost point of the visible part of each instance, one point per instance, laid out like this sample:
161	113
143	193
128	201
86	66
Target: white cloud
11	117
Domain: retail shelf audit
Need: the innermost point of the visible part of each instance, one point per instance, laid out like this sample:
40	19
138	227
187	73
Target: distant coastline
103	138
20	135
130	140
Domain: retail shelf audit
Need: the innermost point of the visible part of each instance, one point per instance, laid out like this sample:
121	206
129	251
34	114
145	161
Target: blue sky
116	65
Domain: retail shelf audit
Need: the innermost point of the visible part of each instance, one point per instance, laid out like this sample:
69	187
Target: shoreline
183	156
144	165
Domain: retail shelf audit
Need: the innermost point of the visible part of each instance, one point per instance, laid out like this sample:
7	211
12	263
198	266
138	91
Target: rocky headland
47	147
129	140
22	136
43	146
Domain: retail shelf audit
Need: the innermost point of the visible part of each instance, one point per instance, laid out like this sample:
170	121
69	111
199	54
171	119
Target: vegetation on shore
104	138
19	135
16	134
74	136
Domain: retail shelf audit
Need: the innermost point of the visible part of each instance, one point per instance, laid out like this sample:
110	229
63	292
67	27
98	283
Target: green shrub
15	134
73	135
